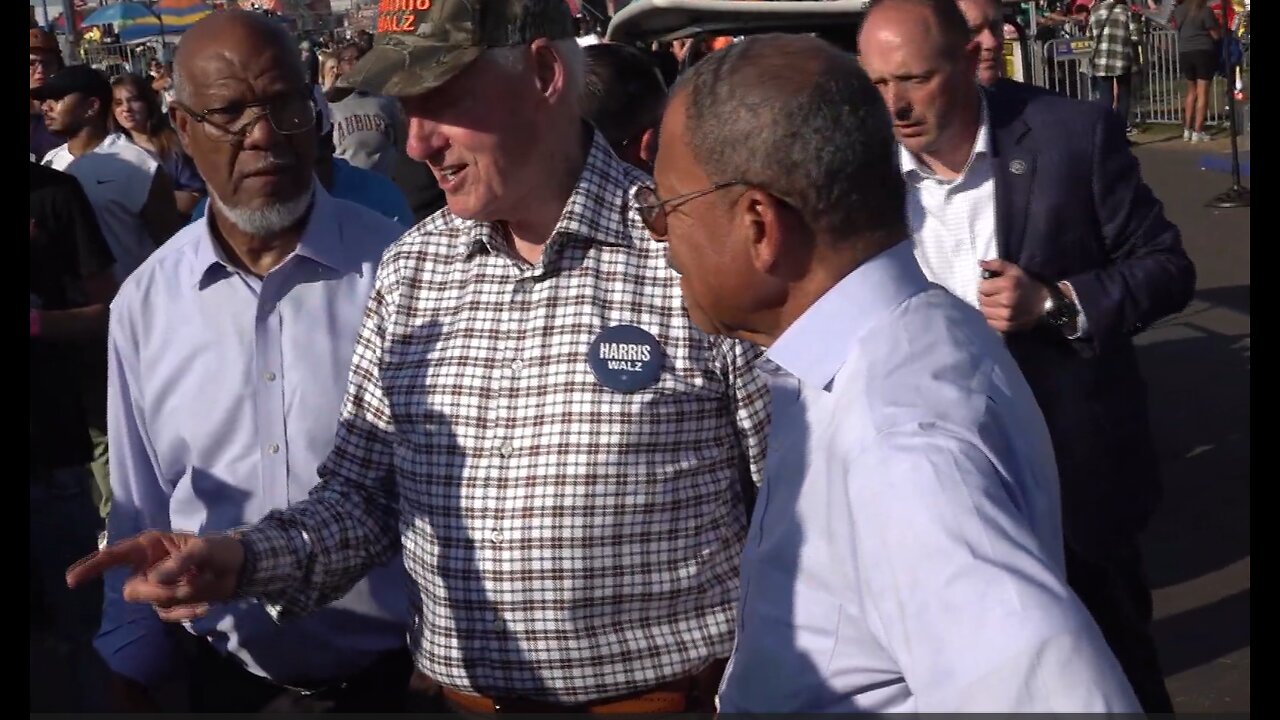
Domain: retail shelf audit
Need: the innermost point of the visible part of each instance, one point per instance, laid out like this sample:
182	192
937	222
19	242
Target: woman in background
136	114
1198	35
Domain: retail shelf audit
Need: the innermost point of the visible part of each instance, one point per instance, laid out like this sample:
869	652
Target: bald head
935	25
246	118
920	56
798	117
232	36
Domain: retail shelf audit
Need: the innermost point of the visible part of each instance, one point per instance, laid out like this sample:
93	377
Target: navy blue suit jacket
1071	205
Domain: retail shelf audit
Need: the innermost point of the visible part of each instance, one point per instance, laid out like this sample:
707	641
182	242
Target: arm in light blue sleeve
958	590
132	639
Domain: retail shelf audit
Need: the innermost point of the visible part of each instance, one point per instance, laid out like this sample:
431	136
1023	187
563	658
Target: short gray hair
797	117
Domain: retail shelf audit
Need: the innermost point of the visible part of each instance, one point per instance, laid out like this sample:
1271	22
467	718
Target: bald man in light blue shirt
905	553
225	397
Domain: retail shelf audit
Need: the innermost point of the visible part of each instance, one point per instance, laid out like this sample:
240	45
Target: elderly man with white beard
229	353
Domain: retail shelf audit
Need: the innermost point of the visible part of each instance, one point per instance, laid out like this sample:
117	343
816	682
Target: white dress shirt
953	222
906	548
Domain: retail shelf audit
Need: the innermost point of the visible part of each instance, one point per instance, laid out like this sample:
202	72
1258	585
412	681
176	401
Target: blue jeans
1117	99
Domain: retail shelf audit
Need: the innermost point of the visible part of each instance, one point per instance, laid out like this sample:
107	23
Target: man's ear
181	123
764	228
549	69
649	145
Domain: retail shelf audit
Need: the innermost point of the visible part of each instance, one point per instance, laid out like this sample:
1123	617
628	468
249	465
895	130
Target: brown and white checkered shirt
569	542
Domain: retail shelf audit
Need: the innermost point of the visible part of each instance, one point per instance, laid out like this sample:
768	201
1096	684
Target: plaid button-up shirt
1116	31
568	542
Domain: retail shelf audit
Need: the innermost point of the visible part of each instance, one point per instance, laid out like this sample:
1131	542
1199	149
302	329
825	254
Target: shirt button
506	450
517	365
498	623
270	376
273	448
496	536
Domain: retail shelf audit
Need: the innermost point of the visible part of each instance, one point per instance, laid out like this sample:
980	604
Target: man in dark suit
1031	207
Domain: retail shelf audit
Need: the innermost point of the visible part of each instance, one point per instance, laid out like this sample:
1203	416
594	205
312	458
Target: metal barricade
116	59
1062	65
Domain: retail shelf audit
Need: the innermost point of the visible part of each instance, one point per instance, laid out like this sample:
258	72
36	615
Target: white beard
267	221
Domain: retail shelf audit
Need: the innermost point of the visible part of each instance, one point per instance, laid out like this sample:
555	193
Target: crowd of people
471	370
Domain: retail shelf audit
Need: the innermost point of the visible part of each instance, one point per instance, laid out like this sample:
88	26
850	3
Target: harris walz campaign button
625	358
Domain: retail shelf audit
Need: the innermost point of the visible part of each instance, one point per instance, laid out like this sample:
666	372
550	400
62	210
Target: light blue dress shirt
906	548
362	187
224	397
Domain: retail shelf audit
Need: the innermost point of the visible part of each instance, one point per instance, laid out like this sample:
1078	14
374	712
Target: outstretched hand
179	574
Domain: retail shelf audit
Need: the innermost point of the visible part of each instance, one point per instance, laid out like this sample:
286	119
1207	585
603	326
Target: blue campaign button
625	358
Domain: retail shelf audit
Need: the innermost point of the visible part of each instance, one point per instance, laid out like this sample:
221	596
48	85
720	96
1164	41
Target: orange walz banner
400	16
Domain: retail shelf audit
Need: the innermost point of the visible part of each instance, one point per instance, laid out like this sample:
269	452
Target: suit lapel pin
1018	167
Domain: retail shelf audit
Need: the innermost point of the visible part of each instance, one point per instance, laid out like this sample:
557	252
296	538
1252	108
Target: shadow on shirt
774	633
489	651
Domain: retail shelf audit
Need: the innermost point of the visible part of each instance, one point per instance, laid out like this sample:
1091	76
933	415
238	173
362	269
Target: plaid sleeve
749	397
312	553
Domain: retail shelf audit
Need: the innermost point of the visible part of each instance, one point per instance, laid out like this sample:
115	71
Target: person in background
46	60
328	70
1116	32
346	181
133	199
364	40
130	191
162	83
138	117
1198	36
71	284
986	28
368	131
310	62
623	97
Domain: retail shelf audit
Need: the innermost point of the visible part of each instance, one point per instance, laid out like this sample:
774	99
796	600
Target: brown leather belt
695	693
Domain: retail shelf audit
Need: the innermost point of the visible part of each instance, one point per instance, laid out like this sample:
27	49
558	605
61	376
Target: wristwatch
1059	310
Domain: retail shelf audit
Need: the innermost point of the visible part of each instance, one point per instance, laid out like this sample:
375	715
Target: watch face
1059	310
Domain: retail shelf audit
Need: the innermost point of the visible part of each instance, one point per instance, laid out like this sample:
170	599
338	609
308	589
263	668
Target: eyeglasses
288	115
653	210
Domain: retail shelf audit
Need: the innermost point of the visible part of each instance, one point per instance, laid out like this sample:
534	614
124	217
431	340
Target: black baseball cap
75	79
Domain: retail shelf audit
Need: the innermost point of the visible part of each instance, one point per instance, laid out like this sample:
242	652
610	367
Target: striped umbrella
175	17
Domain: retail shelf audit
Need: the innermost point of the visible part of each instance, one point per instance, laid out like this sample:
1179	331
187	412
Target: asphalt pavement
1197	368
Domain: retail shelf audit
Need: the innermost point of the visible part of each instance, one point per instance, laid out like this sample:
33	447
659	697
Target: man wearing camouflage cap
532	415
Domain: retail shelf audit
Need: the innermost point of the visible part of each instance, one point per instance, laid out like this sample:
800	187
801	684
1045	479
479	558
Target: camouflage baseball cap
420	44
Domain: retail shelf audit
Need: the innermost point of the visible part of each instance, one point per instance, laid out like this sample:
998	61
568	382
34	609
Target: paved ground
1197	365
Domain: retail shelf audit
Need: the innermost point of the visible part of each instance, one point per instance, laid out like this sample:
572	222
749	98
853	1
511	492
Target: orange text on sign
397	22
390	6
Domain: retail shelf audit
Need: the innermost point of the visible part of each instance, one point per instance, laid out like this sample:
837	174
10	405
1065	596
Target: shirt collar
321	239
913	171
593	211
816	345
